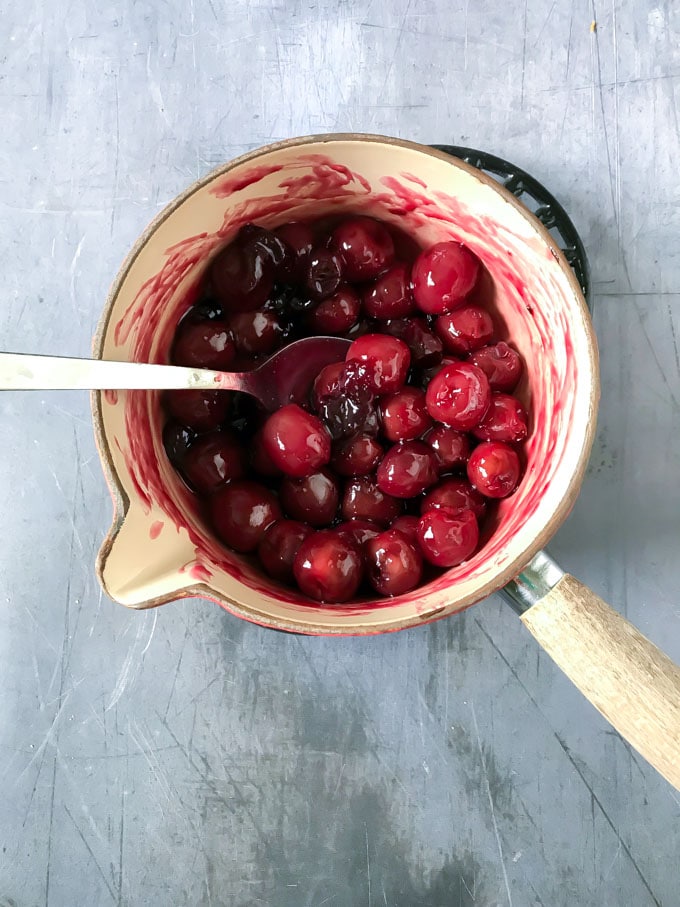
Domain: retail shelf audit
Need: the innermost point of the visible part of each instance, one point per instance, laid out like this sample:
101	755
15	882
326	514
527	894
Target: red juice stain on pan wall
517	301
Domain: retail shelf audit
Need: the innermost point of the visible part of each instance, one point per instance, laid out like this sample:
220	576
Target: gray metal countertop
182	757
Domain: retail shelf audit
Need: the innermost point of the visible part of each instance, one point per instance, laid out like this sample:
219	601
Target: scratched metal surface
182	757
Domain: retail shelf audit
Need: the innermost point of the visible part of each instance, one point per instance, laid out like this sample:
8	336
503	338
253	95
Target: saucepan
159	548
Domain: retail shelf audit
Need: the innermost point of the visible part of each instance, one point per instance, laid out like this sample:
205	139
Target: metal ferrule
534	582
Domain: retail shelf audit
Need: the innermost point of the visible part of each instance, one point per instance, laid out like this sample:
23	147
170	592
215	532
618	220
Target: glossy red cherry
296	441
407	469
313	499
212	460
452	447
257	333
357	456
328	567
243	276
394	565
442	277
464	330
203	344
241	512
505	420
364	246
408	526
337	314
388	357
391	296
358	530
494	469
501	365
455	494
447	538
363	500
200	410
280	544
458	396
403	415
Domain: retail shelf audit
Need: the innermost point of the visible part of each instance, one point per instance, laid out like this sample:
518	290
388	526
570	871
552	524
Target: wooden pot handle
631	682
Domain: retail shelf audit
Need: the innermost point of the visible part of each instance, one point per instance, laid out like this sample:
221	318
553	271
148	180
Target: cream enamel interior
140	571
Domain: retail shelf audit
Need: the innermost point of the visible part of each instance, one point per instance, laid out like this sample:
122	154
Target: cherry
242	275
201	410
363	500
425	347
270	245
442	277
328	567
299	238
408	526
494	469
501	365
391	296
388	358
364	246
358	530
432	370
203	344
313	499
322	273
208	309
279	545
455	494
177	439
446	537
337	314
260	460
241	512
505	420
296	442
407	469
212	460
348	407
257	333
327	383
451	447
458	396
465	330
404	415
357	456
394	565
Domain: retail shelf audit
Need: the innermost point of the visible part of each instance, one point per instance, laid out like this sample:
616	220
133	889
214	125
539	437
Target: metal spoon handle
19	371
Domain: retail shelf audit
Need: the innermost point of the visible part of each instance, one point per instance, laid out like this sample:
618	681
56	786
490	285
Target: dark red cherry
458	396
505	420
442	277
279	545
241	512
296	442
455	494
494	469
328	567
313	499
357	456
447	538
464	330
501	365
388	357
363	500
177	439
204	344
243	276
451	447
358	530
364	246
394	565
337	314
407	469
200	410
212	460
257	333
404	415
391	296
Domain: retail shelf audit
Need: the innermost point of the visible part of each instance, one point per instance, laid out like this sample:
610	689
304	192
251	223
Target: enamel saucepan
159	548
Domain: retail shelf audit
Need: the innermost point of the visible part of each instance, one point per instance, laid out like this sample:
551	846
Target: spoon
285	377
